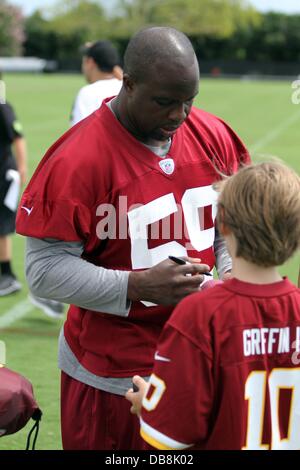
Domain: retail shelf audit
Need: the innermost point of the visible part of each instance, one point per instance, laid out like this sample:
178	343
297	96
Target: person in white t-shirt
100	66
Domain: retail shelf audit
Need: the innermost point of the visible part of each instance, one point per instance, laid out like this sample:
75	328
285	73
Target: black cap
104	54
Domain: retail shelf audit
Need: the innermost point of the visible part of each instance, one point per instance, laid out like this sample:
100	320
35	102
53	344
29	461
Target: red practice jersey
227	371
99	185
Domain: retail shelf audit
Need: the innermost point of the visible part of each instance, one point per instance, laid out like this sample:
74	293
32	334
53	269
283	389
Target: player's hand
167	283
136	398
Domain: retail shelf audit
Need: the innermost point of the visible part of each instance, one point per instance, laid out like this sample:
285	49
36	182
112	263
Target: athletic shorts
7	217
92	419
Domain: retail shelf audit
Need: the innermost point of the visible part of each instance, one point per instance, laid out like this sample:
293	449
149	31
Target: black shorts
7	221
7	217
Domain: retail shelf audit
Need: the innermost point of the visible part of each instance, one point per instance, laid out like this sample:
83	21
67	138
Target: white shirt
90	97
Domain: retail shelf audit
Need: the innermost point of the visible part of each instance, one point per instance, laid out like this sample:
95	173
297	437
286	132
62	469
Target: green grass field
262	114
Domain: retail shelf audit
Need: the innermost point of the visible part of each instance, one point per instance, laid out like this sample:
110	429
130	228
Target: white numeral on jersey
255	392
140	218
285	379
159	387
193	200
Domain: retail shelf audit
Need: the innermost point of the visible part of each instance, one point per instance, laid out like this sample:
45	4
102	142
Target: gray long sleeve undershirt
55	270
223	259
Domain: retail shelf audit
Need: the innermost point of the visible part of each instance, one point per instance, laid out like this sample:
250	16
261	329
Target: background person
101	68
144	156
225	375
13	171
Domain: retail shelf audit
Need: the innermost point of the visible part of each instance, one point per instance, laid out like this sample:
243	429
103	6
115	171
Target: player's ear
89	61
118	72
128	83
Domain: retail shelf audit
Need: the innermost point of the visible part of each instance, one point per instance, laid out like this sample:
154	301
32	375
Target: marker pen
181	261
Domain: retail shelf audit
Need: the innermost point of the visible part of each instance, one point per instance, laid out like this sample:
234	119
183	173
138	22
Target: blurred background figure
101	68
51	308
13	172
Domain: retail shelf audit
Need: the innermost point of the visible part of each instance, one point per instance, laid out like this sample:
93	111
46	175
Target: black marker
135	388
177	260
181	261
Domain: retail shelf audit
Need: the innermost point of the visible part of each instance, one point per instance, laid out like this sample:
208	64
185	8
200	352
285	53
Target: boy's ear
222	228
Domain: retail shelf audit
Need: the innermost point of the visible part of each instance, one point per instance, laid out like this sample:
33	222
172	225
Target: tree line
226	29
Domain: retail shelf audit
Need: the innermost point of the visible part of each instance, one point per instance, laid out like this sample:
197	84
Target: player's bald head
154	49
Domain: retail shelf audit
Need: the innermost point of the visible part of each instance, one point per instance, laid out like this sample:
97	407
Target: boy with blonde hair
226	372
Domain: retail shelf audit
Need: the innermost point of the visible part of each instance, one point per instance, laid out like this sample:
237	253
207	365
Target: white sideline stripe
270	136
15	313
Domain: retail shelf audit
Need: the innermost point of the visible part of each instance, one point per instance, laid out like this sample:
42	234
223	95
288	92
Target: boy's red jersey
227	371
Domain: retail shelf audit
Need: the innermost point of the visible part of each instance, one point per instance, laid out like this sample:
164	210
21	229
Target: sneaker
9	284
52	308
